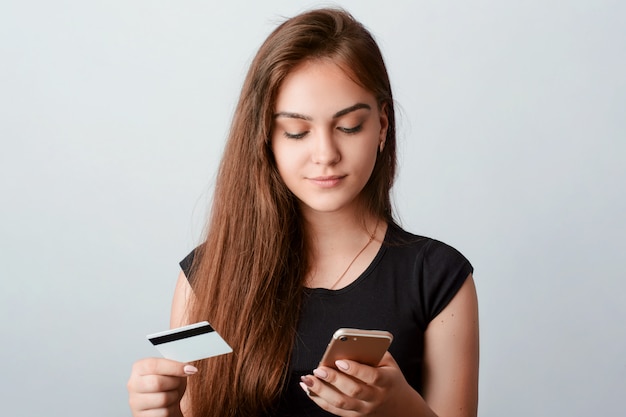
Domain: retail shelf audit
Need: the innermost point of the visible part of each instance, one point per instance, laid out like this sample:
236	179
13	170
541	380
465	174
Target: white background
512	149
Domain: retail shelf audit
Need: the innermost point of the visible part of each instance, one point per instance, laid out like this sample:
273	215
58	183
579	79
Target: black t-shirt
409	282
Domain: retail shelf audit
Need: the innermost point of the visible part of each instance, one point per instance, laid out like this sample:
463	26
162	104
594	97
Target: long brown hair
248	275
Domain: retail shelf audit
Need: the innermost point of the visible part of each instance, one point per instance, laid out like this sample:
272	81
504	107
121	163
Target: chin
328	207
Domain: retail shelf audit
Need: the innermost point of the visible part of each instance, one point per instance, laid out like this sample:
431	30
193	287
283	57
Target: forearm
409	404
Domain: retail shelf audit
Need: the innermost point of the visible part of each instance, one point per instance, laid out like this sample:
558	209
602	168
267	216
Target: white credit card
190	343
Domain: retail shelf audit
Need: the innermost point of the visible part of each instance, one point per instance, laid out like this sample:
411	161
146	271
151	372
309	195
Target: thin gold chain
355	258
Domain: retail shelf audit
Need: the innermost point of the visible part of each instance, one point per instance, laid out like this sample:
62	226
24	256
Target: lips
327	181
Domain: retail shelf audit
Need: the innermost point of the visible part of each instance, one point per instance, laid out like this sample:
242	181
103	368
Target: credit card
190	343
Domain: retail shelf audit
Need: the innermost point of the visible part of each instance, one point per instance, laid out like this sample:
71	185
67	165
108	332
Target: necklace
354	259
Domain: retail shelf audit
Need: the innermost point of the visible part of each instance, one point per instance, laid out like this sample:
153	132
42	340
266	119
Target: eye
295	135
351	130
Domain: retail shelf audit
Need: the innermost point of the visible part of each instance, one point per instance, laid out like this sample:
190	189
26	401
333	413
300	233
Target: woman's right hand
156	386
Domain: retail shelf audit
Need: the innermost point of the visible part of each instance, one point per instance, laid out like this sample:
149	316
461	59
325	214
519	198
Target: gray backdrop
512	149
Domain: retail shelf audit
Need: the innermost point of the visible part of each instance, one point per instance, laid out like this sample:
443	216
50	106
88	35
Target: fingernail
320	373
305	389
190	369
307	381
342	365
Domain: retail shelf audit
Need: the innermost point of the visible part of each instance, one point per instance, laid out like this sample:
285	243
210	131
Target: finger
368	374
155	400
172	410
325	395
345	384
388	360
155	383
162	366
331	400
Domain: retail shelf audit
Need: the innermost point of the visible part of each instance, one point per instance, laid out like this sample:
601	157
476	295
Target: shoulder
431	252
432	270
188	263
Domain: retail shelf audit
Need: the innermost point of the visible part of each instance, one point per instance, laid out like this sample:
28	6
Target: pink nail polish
342	365
307	381
305	389
320	373
190	369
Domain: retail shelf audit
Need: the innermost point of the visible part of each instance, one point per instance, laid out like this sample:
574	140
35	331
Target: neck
339	231
341	246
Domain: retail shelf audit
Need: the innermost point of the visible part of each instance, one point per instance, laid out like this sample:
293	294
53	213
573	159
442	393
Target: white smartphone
363	346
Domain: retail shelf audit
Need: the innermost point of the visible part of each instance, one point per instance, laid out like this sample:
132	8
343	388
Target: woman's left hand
354	389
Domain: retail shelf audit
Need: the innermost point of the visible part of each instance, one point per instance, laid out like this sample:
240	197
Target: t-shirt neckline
361	277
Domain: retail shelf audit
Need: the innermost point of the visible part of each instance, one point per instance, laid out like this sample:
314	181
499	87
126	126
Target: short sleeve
186	265
444	271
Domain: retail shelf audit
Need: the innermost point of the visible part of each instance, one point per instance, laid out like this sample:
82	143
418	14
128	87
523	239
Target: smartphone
363	346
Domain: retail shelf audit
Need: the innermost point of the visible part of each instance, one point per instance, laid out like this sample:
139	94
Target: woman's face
327	131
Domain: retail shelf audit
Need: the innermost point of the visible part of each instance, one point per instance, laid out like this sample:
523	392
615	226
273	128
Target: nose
324	149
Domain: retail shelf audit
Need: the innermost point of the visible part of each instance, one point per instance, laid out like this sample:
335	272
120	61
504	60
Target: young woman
301	241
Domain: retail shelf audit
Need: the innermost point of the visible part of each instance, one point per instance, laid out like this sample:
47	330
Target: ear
384	125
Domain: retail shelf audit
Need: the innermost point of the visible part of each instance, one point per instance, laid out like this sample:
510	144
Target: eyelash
346	130
351	130
295	135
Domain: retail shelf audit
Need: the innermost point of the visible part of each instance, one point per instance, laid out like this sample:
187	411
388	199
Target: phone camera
343	338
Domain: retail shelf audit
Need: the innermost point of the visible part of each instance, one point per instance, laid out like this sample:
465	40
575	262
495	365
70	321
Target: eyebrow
340	113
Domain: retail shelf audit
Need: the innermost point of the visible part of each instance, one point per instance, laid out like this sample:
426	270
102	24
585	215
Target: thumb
189	369
162	366
388	360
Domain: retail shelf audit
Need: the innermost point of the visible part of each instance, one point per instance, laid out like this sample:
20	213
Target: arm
179	317
180	302
451	356
156	385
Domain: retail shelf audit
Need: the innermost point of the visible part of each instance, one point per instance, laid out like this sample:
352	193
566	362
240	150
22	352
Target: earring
381	146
